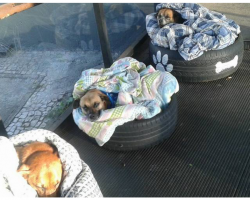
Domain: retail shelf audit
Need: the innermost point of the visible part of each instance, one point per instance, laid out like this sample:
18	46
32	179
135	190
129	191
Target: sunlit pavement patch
15	91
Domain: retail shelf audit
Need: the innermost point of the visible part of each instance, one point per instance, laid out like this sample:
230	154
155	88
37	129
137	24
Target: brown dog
41	166
92	103
166	16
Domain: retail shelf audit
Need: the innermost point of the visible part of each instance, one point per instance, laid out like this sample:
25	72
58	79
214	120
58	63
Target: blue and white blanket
203	30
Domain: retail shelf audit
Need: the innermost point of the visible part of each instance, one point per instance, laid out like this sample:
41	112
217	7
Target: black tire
146	133
202	68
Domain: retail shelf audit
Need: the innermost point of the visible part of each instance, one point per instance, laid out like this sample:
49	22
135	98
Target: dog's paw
161	62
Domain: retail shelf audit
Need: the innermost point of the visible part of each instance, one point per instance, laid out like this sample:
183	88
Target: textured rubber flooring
207	155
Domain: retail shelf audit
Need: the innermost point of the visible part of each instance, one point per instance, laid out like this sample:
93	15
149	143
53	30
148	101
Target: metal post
103	34
3	131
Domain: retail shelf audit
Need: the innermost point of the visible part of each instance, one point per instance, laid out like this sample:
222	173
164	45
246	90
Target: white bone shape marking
222	66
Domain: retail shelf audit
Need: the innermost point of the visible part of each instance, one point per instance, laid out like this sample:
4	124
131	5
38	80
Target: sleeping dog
92	103
41	166
166	16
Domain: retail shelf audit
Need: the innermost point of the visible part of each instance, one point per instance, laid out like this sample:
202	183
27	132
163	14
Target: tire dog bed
144	105
212	65
77	181
146	133
206	47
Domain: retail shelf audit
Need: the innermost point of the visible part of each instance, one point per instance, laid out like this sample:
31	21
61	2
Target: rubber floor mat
207	155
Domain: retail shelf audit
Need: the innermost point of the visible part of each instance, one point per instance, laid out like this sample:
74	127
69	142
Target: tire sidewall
140	134
205	67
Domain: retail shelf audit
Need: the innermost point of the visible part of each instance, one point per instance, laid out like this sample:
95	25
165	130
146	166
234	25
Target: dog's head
166	16
92	103
41	167
24	152
43	172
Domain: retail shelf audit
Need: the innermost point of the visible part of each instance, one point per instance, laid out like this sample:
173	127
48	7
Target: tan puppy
166	16
41	166
92	103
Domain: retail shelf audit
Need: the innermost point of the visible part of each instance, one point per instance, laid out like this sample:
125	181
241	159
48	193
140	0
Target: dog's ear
176	14
178	18
24	170
104	97
76	104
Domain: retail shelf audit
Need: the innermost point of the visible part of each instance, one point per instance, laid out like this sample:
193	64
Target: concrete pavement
36	86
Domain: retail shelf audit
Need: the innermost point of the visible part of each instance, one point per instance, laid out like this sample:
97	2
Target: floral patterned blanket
142	93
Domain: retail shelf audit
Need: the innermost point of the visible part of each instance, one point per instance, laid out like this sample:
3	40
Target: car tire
211	65
140	134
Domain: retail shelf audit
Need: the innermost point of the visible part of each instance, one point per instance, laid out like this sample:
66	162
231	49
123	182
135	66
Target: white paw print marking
162	62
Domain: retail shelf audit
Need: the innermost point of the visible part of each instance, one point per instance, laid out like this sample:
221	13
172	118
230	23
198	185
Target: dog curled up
94	101
41	166
166	16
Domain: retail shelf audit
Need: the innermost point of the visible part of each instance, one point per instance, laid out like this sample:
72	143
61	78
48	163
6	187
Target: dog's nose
92	116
